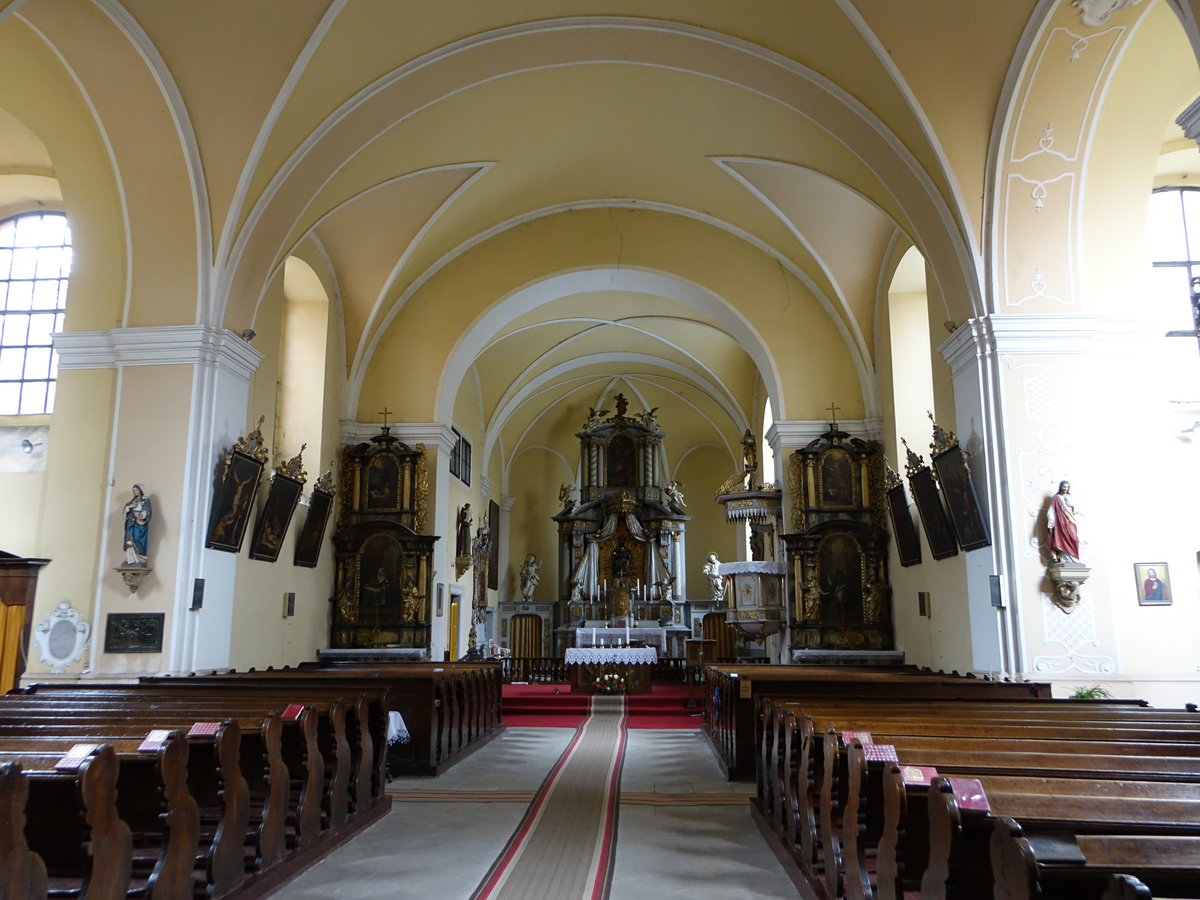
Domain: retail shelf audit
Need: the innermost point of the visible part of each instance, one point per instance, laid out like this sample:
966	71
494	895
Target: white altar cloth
634	656
587	637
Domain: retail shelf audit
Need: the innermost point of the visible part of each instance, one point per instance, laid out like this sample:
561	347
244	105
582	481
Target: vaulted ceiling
698	201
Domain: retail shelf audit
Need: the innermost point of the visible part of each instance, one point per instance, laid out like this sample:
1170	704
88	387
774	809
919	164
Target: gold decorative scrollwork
795	491
878	482
253	444
422	489
942	439
346	486
915	462
294	467
732	485
325	482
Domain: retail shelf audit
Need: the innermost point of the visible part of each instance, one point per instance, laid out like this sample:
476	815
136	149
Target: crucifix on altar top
386	412
833	408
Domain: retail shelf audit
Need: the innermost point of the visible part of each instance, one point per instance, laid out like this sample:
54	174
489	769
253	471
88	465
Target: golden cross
386	412
833	408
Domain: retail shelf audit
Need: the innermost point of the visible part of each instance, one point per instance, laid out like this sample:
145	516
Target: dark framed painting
835	480
383	483
1153	584
233	501
961	500
275	517
907	543
933	515
312	532
134	632
494	551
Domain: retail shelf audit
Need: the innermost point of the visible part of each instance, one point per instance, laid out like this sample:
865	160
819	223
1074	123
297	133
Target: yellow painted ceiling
729	179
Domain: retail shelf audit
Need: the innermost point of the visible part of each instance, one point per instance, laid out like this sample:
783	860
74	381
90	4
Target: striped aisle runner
565	843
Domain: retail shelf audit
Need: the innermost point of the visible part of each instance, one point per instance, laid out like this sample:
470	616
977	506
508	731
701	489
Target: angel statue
712	569
675	496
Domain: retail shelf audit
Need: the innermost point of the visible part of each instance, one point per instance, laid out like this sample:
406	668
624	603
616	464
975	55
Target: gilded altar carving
384	564
839	554
421	490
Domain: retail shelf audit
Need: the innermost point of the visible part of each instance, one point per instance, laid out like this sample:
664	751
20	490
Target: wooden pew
285	768
1172	728
351	729
733	694
1127	727
60	827
152	800
346	736
301	801
1086	865
959	836
215	775
450	709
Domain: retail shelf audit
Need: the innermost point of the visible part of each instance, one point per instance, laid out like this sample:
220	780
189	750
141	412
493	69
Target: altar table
635	663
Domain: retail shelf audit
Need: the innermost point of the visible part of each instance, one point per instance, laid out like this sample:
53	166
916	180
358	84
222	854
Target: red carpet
554	706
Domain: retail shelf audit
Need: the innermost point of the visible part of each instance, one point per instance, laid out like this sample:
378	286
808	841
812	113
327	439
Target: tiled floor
440	851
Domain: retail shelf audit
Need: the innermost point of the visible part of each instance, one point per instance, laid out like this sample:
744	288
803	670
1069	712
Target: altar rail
554	670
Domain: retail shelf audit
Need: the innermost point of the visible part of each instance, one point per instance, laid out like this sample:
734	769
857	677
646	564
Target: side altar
384	562
838	550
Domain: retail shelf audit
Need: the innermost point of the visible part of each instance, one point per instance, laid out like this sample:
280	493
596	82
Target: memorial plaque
134	633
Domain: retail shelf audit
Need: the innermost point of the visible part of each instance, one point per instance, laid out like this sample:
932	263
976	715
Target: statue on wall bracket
462	540
1067	574
138	512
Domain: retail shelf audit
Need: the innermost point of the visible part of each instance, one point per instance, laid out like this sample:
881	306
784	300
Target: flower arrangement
609	681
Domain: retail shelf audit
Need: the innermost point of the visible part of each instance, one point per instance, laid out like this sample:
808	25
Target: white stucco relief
1043	457
1074	633
1097	12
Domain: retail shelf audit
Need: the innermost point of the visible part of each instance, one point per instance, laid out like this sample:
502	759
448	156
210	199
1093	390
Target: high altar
621	545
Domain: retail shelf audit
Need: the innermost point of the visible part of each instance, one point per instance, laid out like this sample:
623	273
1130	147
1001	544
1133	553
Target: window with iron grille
35	264
460	458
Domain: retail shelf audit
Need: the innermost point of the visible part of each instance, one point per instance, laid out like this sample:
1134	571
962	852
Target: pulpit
18	582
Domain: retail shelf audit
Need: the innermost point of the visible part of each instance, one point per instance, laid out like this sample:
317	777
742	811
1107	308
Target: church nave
667	845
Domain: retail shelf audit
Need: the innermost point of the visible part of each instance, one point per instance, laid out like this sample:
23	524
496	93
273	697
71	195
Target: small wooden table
634	663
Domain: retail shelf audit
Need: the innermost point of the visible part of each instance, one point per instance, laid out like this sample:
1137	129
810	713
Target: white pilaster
222	364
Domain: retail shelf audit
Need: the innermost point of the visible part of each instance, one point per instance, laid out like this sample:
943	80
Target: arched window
35	263
1173	303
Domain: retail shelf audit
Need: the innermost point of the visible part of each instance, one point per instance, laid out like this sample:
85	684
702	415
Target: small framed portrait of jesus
1153	584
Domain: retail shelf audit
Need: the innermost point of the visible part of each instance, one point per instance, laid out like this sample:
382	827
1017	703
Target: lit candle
593	636
626	635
